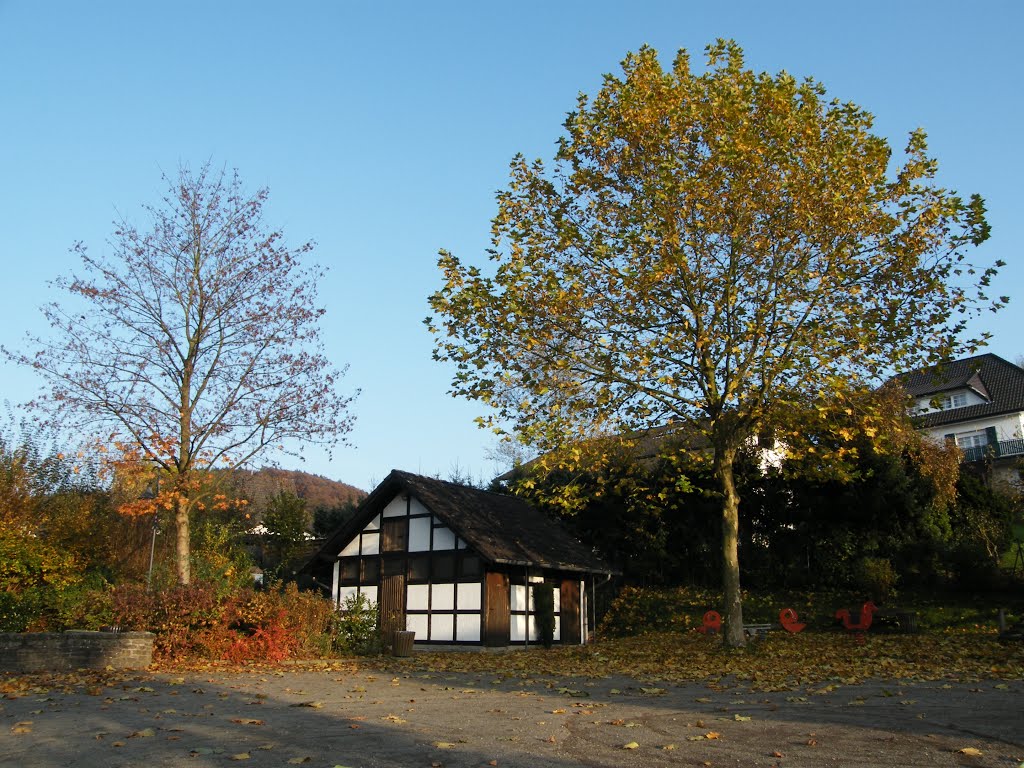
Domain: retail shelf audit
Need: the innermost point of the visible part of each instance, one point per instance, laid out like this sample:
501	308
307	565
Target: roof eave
553	566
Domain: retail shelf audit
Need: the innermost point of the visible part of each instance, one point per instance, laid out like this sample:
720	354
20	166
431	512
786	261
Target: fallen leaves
821	662
709	736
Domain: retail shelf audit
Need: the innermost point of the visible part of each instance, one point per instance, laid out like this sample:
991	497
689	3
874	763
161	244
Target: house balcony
997	450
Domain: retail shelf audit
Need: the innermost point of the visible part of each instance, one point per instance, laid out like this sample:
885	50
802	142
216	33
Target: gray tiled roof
501	529
998	380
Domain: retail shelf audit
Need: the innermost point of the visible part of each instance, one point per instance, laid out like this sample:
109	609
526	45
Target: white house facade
457	565
976	402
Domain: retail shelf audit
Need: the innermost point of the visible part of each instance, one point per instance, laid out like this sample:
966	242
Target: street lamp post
156	530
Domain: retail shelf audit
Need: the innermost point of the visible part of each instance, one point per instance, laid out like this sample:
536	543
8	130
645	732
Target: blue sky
383	131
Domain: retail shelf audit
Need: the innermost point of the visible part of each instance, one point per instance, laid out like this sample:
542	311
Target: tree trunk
733	608
183	550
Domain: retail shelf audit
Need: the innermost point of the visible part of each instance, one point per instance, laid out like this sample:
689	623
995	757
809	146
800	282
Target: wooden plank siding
391	605
394	534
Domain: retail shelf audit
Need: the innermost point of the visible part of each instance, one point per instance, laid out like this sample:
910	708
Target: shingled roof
502	529
999	381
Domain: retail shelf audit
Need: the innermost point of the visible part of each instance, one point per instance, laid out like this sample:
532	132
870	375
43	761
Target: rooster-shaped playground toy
862	623
788	620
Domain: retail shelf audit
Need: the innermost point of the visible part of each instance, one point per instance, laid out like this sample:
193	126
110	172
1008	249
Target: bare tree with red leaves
196	345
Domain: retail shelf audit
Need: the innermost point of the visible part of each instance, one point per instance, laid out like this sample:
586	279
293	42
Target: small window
972	439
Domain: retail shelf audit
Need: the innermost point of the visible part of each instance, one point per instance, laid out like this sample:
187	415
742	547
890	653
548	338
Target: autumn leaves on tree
721	249
194	345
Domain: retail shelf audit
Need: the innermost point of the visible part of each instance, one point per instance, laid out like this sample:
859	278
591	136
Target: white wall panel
417	622
467	627
442	597
469	597
346	592
416	507
396	507
442	627
444	538
417	596
419	534
518	597
370	593
352	548
371	544
517	631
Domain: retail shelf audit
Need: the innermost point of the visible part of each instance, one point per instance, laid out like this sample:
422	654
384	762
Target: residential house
454	564
978	403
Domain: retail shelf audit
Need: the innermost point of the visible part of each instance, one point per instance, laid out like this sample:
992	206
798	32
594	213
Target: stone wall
74	649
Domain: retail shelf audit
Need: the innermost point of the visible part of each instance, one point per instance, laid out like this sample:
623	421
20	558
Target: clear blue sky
384	129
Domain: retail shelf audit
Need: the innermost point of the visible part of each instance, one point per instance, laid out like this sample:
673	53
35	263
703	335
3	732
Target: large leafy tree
708	248
196	344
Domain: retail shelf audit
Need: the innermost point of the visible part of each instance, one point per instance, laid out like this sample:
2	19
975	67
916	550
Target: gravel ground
338	715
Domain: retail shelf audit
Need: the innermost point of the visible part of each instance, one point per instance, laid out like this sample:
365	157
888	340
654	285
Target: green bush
637	610
877	577
356	627
544	613
972	568
18	610
51	609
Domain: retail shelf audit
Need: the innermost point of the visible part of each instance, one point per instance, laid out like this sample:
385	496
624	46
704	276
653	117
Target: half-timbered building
455	564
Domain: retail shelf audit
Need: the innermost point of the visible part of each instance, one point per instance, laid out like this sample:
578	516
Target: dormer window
943	402
956	400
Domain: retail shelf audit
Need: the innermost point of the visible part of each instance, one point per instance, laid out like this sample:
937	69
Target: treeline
70	532
318	492
848	514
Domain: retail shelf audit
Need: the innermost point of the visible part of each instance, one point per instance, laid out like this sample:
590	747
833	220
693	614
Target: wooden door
391	598
498	616
570	611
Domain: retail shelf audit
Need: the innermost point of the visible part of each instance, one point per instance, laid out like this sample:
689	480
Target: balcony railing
994	450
